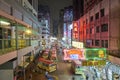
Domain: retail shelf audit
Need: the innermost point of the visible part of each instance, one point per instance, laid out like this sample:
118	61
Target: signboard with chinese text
95	53
93	63
72	54
77	44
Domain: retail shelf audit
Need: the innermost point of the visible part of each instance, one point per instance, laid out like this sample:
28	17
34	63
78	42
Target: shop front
113	72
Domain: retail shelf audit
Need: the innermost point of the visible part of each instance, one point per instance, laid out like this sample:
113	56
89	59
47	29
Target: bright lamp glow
63	38
4	23
28	31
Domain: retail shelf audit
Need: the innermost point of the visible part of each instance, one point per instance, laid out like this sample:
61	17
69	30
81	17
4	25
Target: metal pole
71	38
24	67
29	40
16	40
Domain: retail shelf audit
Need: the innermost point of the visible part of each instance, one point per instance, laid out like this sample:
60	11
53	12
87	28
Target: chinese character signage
72	54
93	63
77	44
95	53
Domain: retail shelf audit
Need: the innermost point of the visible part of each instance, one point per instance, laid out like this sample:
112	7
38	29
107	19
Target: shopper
46	74
87	77
73	78
30	77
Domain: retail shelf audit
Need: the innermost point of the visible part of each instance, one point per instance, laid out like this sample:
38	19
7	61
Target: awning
24	64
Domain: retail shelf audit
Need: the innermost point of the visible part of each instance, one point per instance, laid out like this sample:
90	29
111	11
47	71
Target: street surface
63	72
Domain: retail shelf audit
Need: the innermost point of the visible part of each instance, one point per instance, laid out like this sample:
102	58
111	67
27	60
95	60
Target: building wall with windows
78	9
99	27
19	37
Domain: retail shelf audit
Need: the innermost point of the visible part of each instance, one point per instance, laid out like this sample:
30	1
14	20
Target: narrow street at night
64	71
59	39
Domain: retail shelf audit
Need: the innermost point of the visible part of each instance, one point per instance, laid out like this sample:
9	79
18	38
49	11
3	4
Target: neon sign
93	63
72	54
77	44
95	53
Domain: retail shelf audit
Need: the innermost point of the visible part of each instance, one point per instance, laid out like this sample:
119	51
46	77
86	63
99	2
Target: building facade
44	19
19	36
67	25
99	27
78	9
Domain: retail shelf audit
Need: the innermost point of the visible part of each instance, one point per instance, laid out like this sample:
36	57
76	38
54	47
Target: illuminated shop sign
95	53
77	44
72	54
93	63
75	29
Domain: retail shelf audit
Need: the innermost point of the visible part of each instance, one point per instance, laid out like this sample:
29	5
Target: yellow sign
43	42
93	63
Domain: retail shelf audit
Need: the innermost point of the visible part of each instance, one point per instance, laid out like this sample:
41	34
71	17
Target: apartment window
30	1
96	42
104	27
97	16
90	30
102	43
97	29
1	33
106	43
91	18
92	42
86	31
86	21
102	12
9	34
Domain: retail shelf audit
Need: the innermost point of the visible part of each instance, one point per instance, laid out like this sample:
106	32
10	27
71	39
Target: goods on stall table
48	65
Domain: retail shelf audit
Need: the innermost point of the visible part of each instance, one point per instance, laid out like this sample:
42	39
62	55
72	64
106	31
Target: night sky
55	6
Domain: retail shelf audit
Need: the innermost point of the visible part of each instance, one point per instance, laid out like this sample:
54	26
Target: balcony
29	7
9	45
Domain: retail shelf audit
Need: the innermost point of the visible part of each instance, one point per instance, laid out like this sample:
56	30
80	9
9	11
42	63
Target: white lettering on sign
74	56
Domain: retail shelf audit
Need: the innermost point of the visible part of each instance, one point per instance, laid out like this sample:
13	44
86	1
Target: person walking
60	51
73	78
30	76
46	74
87	77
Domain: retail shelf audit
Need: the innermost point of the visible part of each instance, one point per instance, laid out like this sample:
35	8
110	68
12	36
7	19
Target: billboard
93	63
95	53
74	54
77	44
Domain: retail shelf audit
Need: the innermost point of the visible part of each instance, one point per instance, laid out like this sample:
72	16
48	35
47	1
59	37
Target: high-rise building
44	19
67	22
78	8
60	26
99	27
